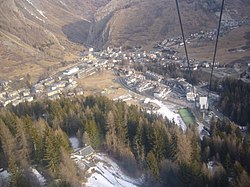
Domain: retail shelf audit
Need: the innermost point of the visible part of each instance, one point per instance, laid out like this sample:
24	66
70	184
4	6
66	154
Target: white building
71	71
26	93
190	96
53	92
29	99
203	101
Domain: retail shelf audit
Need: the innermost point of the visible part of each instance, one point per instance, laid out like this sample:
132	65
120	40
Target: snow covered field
74	142
166	112
108	174
4	177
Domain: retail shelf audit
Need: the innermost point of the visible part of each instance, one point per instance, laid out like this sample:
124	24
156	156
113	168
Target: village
136	70
132	62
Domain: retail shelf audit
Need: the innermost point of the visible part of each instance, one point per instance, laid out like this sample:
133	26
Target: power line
216	45
215	48
184	42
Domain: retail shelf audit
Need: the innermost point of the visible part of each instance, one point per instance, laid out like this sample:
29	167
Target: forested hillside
235	101
38	134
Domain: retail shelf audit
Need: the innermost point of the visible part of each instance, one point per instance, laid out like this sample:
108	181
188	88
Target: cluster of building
230	24
62	83
142	83
154	85
158	86
178	41
84	159
227	25
9	95
53	87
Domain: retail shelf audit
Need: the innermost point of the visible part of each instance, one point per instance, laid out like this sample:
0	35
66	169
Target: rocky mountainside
39	32
34	30
125	22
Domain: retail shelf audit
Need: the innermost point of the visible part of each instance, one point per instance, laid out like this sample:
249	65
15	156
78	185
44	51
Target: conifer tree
52	152
15	173
156	138
62	139
85	138
172	148
195	153
7	140
152	164
138	143
93	133
111	138
23	146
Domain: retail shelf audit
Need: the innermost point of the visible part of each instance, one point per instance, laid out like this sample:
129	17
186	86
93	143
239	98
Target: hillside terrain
36	35
130	22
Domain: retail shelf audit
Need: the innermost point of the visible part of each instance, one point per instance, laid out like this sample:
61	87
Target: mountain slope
34	31
141	22
35	35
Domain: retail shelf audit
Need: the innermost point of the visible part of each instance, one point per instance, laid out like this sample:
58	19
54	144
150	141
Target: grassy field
102	81
187	117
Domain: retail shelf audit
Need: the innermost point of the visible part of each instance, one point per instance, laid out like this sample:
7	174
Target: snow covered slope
166	112
108	174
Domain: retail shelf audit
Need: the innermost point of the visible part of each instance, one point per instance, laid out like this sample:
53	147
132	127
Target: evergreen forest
37	134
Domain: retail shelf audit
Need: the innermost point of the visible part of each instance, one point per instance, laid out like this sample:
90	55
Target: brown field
12	69
103	81
18	70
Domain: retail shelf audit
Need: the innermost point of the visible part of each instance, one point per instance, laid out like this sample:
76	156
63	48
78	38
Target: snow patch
166	112
4	177
39	11
32	14
63	3
202	131
30	2
42	13
74	142
40	178
200	128
108	174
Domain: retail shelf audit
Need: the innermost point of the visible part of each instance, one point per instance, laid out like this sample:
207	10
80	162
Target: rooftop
86	151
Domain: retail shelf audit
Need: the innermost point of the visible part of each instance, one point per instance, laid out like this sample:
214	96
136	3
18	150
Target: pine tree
111	138
195	153
228	165
152	164
120	118
156	138
7	140
23	146
93	134
243	180
171	148
68	170
33	137
184	148
138	144
52	154
15	173
62	139
185	174
10	121
85	138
